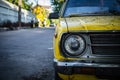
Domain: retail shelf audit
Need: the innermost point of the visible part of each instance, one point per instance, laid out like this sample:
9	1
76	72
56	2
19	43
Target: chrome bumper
79	64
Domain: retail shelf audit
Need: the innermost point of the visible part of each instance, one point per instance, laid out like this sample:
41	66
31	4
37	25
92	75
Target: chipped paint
93	23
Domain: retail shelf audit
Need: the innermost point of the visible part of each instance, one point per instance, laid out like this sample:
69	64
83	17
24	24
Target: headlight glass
74	45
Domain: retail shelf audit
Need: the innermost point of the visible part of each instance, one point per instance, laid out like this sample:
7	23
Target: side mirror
53	15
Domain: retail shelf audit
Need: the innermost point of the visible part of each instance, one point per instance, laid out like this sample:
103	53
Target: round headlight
74	45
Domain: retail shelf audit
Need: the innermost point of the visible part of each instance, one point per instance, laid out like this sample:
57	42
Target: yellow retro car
87	40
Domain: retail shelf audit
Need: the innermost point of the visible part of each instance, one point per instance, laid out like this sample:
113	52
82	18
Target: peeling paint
94	23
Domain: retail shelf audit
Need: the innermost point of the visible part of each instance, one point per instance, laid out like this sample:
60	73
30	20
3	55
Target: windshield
92	7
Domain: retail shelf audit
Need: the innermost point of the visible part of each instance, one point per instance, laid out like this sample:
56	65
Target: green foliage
13	1
57	5
25	4
47	22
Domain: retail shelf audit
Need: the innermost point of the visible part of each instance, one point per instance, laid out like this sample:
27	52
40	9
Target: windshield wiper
88	14
115	12
110	12
74	15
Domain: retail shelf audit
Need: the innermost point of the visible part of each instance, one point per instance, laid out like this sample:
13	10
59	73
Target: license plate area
108	72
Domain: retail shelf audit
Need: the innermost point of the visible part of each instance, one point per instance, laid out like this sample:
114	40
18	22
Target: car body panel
83	24
88	23
78	77
61	27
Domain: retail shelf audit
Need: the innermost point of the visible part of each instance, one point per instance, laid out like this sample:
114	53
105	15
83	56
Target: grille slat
105	44
111	50
105	38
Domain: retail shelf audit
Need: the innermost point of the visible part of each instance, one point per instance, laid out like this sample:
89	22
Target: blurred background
26	33
15	14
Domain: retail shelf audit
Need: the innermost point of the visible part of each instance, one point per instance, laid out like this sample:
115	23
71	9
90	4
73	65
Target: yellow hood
93	23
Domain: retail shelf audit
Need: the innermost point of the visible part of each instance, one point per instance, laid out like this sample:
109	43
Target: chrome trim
65	52
78	64
84	36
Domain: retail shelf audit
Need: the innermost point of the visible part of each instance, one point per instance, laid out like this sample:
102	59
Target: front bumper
99	70
78	64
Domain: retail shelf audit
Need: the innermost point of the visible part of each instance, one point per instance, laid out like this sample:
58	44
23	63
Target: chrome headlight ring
73	45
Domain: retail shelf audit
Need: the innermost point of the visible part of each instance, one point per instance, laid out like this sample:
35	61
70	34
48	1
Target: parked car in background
52	25
87	40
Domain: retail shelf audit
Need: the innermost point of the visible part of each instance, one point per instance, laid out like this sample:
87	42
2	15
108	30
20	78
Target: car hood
93	23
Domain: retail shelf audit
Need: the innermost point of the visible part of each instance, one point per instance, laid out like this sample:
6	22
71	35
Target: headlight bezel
62	47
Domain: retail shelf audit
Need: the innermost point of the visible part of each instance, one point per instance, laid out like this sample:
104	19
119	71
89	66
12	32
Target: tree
41	14
13	1
25	4
57	5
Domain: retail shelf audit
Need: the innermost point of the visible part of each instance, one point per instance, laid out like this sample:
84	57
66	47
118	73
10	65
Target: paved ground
26	54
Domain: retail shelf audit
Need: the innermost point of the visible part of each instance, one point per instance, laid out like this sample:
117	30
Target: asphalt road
26	54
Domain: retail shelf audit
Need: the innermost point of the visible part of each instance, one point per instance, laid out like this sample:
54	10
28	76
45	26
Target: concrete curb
7	29
18	28
52	28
